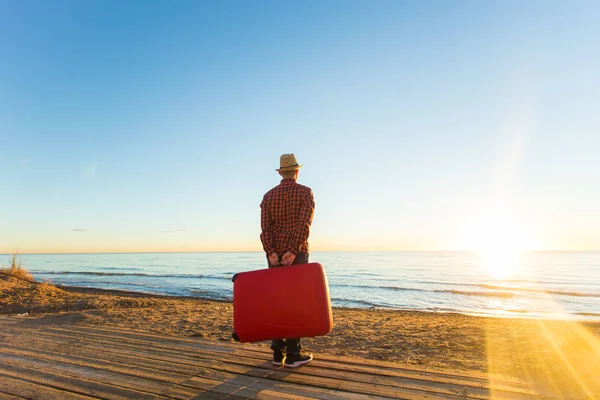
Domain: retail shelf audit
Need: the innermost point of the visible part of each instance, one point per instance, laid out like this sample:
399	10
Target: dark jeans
291	346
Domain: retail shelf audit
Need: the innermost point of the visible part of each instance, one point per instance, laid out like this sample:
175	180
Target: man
286	215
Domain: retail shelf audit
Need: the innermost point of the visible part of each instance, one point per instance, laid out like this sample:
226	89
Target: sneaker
296	360
278	358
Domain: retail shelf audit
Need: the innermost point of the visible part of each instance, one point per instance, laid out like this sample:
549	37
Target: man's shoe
278	358
296	360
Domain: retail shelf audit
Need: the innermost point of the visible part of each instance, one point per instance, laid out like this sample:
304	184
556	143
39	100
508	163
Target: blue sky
157	126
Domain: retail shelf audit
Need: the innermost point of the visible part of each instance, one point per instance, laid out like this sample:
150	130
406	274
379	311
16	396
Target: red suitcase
281	303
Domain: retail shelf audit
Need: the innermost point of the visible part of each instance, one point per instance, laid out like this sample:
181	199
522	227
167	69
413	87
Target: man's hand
288	258
274	259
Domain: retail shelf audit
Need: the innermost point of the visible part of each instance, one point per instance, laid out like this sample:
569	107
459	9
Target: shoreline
580	318
86	290
549	351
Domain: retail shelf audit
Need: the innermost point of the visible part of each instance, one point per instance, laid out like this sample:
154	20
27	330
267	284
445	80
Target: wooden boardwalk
47	359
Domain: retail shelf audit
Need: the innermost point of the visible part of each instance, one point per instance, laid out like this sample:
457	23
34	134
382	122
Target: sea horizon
315	251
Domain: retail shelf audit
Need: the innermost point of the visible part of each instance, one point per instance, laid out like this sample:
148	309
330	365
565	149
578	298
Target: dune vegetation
16	269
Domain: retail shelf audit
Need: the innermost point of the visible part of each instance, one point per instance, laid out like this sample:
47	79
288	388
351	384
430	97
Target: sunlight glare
501	264
499	238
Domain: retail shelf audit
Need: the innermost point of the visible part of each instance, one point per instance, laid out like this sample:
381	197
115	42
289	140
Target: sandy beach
563	354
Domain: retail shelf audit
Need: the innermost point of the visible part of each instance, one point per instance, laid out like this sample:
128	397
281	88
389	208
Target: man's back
286	215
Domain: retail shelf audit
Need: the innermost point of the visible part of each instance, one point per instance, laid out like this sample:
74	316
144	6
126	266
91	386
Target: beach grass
16	269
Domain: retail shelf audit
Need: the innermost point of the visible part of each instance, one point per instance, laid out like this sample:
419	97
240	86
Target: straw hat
288	162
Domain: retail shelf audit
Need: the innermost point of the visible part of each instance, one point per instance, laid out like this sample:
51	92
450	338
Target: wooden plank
271	395
405	380
252	388
11	387
70	384
330	366
307	375
250	366
352	381
6	396
245	385
11	362
419	383
344	386
79	365
229	378
9	320
263	355
221	366
128	357
133	337
382	365
216	396
386	368
70	358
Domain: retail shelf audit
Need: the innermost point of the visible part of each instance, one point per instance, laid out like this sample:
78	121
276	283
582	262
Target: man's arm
266	236
302	230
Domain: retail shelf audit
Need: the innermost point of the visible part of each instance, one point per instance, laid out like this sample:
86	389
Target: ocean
540	284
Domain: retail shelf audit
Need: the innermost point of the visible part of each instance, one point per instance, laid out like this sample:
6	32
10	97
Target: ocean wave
121	274
343	301
478	293
450	291
513	289
496	291
371	287
515	281
557	292
104	283
439	309
587	314
211	294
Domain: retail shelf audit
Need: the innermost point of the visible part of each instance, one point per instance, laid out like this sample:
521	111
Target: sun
499	237
501	264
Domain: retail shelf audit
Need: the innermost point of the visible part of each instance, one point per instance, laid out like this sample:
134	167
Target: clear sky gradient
158	125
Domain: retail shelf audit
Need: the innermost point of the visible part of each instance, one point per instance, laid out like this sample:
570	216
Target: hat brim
292	168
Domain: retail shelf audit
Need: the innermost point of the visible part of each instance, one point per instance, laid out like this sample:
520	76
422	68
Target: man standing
286	215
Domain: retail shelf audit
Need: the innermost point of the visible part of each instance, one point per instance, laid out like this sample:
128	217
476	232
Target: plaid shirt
286	214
